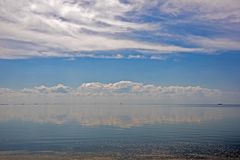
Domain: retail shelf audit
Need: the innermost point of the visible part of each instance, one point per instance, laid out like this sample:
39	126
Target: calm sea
183	129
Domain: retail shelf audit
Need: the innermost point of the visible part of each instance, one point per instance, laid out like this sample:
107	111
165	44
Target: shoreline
49	155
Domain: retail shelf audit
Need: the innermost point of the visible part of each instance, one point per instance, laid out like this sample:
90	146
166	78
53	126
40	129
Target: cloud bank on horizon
108	28
119	92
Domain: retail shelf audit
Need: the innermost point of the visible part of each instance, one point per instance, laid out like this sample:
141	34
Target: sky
175	51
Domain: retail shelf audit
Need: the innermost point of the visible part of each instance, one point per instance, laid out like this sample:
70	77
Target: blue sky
161	43
211	71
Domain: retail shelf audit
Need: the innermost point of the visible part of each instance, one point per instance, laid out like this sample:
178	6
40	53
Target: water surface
175	129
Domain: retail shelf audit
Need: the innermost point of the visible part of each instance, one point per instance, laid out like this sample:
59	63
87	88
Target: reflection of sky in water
201	129
117	115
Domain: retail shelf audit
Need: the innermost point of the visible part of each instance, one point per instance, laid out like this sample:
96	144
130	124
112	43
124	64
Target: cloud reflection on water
123	116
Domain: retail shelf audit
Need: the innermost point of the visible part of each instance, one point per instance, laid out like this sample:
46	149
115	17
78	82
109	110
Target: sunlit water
183	129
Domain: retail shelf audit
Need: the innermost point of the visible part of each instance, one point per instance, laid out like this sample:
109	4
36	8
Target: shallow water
174	129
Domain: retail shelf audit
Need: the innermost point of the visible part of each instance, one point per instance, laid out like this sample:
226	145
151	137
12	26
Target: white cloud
128	87
59	88
135	56
215	21
126	91
62	28
215	43
214	10
67	28
158	57
121	87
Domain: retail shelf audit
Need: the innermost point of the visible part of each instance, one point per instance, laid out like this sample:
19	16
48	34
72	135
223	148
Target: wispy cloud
215	43
68	28
215	10
59	28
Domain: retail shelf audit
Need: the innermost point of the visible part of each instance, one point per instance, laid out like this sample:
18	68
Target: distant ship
219	104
